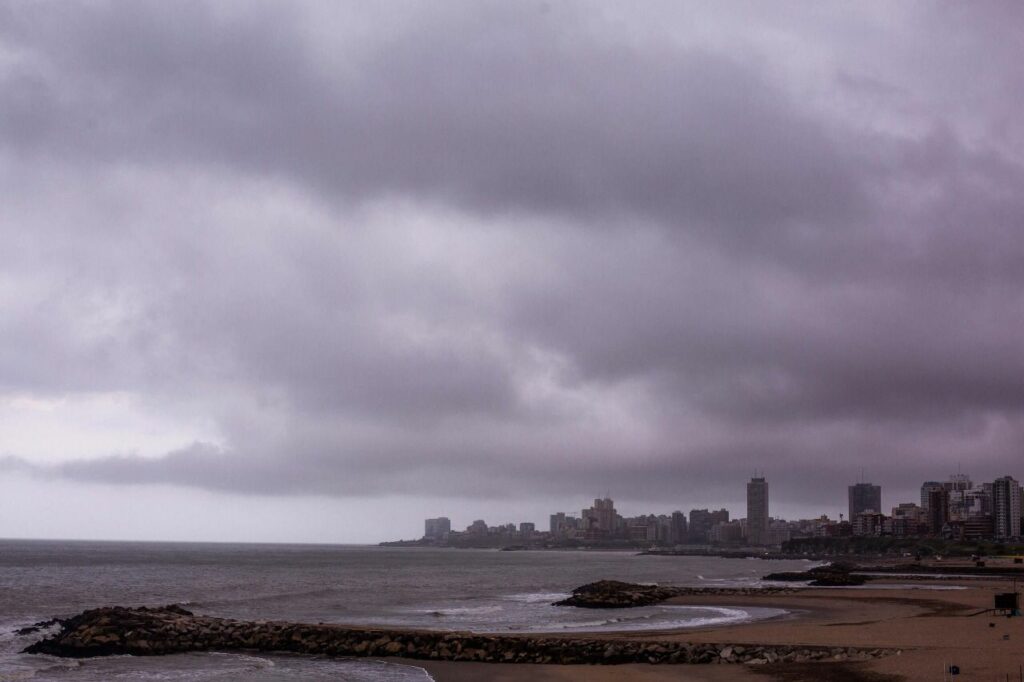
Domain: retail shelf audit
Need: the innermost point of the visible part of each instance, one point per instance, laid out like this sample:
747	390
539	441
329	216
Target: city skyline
937	507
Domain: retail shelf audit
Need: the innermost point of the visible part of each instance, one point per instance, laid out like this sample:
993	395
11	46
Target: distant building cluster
957	509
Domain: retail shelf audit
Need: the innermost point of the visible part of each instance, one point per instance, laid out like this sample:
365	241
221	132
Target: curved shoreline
658	622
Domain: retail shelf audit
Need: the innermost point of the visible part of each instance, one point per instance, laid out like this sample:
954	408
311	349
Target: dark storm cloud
495	250
529	114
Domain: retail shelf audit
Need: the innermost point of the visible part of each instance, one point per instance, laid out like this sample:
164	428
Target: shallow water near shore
478	590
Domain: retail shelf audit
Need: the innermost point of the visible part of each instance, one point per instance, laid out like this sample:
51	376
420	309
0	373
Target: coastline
930	628
884	631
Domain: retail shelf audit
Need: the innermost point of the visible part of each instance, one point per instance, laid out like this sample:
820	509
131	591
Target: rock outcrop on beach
830	575
614	594
168	630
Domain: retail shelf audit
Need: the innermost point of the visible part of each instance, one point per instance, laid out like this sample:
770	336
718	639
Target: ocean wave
662	618
722	610
214	667
23	667
897	586
272	597
583	625
658	621
462	610
537	597
256	661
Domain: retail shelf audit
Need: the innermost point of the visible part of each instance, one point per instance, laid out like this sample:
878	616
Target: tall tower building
757	511
437	528
864	497
1006	507
678	528
926	488
958	482
938	510
601	517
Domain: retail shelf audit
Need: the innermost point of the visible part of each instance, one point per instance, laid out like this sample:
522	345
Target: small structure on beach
1007	602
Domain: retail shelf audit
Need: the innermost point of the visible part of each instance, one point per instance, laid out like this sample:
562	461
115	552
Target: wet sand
497	672
933	628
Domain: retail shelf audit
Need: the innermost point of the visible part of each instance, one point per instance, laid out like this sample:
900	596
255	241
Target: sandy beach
932	628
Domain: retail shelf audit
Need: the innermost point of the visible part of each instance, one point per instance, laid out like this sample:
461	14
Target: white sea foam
222	667
538	597
662	617
662	620
462	611
896	586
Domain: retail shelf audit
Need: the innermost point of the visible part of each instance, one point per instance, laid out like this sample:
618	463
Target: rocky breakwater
613	594
156	631
830	575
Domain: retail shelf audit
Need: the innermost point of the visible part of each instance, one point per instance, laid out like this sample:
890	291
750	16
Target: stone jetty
168	630
614	594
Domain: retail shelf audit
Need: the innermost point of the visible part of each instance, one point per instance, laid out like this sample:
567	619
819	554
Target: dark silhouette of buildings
938	510
864	497
437	528
701	522
757	511
1006	505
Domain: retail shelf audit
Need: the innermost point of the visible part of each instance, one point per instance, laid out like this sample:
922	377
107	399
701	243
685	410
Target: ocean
445	589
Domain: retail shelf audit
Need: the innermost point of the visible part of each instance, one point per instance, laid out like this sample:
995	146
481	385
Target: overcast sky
313	272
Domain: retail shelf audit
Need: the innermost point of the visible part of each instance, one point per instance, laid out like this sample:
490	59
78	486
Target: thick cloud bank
506	250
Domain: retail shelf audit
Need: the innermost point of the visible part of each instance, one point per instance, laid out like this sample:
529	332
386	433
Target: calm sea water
486	591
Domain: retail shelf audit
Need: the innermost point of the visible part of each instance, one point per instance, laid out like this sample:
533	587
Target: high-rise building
778	532
868	523
757	511
701	522
908	519
978	501
926	488
562	524
679	528
978	528
726	533
437	528
958	482
601	518
958	485
864	497
1006	507
938	510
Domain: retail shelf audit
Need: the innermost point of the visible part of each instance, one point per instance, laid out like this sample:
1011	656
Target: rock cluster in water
614	594
156	631
38	627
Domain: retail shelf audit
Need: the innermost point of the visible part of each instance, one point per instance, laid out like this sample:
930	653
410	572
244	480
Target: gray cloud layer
500	250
